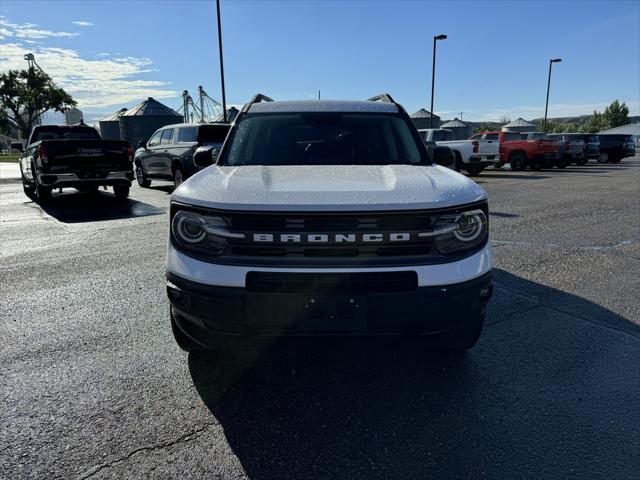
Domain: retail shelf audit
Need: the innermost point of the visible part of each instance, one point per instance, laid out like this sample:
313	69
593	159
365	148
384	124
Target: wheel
141	177
518	162
121	191
43	194
473	170
183	341
603	158
28	188
178	176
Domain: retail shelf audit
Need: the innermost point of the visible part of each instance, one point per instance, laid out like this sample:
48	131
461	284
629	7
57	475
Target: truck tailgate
87	154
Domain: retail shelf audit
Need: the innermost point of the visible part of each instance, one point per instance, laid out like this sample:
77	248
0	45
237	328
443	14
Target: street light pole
224	99
433	74
546	105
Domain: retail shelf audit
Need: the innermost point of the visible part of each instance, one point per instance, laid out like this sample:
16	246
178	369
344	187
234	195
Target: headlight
200	234
462	231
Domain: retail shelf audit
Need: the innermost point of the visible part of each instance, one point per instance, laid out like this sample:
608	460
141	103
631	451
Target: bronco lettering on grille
334	237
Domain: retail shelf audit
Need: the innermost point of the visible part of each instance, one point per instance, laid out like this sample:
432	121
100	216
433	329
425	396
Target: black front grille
332	283
305	252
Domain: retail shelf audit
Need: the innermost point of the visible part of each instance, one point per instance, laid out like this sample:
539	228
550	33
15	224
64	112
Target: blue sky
493	64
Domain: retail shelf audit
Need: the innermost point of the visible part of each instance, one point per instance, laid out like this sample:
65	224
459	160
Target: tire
603	158
473	170
121	191
43	194
518	162
142	179
178	176
28	188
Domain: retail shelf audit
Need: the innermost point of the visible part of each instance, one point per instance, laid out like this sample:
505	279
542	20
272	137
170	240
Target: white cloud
96	84
82	23
27	30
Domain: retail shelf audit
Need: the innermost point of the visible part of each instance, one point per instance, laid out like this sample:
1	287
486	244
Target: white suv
326	218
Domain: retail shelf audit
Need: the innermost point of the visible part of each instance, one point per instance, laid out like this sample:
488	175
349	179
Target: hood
328	188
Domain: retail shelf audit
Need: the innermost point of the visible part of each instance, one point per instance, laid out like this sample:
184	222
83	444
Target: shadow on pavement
74	207
498	174
550	391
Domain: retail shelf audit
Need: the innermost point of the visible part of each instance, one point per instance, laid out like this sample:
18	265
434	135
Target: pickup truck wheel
141	177
473	170
603	158
29	188
43	194
121	191
178	176
518	162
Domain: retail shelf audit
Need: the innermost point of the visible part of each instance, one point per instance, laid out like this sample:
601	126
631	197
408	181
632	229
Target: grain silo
519	125
138	123
461	131
422	119
110	126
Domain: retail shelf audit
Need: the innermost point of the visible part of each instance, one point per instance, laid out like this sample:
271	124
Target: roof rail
257	98
383	97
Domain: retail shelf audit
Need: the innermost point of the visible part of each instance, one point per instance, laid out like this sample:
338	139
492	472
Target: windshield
65	133
322	139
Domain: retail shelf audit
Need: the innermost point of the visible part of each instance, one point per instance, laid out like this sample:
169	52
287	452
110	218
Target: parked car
571	148
472	156
327	218
522	150
591	144
62	156
615	147
168	155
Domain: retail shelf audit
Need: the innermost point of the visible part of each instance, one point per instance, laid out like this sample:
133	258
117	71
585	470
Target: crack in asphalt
184	438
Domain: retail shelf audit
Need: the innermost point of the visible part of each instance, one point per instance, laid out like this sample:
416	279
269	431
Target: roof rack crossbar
383	97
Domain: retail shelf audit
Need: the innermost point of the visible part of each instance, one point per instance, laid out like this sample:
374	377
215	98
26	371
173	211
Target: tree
615	114
26	94
595	123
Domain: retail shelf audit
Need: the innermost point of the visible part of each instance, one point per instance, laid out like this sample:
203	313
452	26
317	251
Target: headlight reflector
200	234
461	231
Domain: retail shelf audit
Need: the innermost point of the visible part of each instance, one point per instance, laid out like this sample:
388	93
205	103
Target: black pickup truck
61	156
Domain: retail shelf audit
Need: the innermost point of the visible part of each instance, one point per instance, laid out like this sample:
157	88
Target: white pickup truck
472	156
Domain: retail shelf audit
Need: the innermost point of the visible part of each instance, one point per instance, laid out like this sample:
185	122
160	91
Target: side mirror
142	144
204	156
17	146
443	156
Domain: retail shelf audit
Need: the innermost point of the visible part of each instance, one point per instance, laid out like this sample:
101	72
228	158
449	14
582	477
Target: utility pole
460	115
318	94
546	105
201	93
224	99
185	105
433	74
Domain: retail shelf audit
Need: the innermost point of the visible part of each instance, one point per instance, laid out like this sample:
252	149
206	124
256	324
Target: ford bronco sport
324	218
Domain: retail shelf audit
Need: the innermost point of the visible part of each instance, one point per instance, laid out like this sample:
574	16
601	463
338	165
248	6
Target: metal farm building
461	131
138	123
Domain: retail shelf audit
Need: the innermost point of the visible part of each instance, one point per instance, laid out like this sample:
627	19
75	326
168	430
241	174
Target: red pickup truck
522	150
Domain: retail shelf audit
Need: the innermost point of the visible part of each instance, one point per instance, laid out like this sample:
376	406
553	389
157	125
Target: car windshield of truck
323	139
65	133
442	135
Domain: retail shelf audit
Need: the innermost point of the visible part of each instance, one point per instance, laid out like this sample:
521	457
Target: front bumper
62	180
214	316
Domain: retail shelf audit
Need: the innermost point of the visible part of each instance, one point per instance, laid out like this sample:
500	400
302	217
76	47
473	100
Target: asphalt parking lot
92	384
